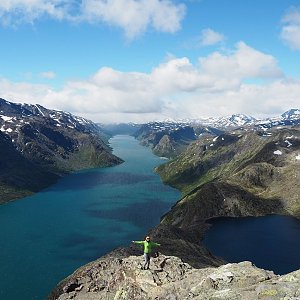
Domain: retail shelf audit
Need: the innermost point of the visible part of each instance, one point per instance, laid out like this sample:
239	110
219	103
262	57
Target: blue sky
141	60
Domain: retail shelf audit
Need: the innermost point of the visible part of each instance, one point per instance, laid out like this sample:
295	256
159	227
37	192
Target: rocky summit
170	278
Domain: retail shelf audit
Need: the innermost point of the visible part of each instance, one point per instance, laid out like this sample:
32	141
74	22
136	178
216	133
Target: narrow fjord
47	236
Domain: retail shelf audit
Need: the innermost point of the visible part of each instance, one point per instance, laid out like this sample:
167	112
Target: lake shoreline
63	226
180	237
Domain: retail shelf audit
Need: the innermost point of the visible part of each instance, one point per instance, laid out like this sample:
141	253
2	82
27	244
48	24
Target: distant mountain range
38	145
169	138
238	173
289	118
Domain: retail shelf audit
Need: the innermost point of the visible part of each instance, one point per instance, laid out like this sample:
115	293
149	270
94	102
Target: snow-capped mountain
289	118
14	115
165	126
178	134
292	114
38	145
235	120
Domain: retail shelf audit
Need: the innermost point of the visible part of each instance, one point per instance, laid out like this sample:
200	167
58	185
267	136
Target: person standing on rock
148	245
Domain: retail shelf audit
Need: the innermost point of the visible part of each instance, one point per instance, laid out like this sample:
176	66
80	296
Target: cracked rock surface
170	278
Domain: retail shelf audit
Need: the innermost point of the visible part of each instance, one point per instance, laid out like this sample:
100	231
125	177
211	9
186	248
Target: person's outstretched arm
138	242
155	244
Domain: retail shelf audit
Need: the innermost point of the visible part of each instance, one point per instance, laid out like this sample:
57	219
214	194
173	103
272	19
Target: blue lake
270	242
47	236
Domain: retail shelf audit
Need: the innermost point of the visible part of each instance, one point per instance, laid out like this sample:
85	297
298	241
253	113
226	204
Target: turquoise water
47	236
270	242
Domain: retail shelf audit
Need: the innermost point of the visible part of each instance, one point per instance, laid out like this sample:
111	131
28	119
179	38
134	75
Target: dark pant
147	260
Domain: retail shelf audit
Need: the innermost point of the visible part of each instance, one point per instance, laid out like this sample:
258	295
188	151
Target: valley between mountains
235	166
247	170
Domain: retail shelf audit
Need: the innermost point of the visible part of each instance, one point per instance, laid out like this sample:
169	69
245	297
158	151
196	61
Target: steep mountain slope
166	139
229	175
40	145
18	176
236	175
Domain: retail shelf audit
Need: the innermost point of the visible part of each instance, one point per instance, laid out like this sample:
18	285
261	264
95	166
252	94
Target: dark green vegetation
37	146
235	175
19	176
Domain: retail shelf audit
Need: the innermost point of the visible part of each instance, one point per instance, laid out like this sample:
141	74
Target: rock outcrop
170	278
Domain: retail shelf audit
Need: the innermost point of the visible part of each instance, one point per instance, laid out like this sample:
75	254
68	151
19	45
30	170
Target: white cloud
210	37
244	63
48	75
258	100
217	85
290	32
14	12
132	16
162	15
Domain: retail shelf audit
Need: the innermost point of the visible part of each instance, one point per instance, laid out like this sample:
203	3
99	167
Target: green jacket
147	245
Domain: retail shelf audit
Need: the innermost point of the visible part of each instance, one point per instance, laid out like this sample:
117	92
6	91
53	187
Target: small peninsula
235	174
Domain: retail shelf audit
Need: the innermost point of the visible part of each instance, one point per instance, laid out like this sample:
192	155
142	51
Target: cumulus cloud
290	32
216	85
267	100
210	37
14	12
161	15
244	63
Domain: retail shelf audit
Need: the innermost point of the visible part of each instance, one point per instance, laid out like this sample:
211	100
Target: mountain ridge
39	145
170	138
235	174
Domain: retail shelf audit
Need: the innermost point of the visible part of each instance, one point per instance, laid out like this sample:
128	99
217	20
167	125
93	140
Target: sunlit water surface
47	236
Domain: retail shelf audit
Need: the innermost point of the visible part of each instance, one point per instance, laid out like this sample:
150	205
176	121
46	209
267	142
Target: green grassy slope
236	175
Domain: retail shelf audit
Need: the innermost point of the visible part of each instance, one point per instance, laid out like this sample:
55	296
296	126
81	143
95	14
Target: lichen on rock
171	278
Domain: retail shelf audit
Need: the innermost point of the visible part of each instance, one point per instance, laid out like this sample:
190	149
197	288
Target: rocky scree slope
38	145
120	277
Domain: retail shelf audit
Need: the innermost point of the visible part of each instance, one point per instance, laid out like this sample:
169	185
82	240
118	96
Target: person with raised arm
148	245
